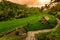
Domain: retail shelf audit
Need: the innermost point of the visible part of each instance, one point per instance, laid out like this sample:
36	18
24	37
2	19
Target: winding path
31	34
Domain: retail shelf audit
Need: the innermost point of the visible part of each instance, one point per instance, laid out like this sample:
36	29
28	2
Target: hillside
18	21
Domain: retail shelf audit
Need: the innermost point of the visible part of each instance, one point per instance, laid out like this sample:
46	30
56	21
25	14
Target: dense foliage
55	10
41	36
9	10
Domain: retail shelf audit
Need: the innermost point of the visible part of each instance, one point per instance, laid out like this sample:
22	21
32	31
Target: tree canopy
9	10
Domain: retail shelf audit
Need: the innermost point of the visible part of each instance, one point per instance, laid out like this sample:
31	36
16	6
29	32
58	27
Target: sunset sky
32	2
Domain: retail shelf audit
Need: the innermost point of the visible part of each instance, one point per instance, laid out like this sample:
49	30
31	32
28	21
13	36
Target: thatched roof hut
44	20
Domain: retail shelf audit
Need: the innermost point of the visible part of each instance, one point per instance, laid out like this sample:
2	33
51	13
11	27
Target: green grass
41	36
6	26
38	26
54	34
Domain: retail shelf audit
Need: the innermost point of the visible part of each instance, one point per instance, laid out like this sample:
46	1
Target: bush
41	36
9	10
53	36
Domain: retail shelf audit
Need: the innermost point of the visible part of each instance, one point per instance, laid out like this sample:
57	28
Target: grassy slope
12	24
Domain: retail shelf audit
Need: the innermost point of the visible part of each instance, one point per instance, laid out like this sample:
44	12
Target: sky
32	2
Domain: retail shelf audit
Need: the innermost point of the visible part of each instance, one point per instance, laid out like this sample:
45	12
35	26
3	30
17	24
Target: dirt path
58	23
31	34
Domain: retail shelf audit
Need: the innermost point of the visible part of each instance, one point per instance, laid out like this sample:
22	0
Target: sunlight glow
43	2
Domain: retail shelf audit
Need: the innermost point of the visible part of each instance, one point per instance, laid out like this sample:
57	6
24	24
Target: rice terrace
20	22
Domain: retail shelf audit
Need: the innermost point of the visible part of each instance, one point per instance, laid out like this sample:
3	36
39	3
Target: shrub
53	36
41	36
